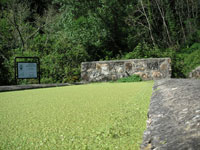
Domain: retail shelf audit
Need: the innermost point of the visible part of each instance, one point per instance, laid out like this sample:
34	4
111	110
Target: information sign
26	70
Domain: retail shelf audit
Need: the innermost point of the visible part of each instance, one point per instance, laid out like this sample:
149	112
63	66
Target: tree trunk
164	22
149	24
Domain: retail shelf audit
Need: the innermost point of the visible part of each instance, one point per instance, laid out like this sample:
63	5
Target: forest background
64	33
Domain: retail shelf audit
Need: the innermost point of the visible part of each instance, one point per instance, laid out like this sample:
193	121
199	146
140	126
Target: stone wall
195	74
148	69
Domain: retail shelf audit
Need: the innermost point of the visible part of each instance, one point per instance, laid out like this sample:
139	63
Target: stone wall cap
126	60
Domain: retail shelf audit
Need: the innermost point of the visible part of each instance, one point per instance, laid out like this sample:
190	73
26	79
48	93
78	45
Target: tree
5	48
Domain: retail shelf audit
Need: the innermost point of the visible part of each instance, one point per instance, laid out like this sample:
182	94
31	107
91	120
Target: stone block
153	65
195	74
128	66
163	66
156	75
113	77
143	75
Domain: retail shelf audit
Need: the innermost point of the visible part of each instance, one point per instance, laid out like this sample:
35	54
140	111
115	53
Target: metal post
39	69
15	71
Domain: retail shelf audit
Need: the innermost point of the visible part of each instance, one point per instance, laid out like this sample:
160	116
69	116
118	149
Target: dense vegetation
64	33
132	78
104	116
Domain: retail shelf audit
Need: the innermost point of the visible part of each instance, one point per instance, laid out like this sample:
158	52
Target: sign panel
27	70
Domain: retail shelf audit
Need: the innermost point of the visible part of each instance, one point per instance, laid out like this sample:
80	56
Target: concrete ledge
174	116
33	86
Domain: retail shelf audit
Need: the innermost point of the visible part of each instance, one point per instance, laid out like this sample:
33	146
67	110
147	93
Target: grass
101	116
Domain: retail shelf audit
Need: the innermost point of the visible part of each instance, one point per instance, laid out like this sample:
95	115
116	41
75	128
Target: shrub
191	61
143	50
133	78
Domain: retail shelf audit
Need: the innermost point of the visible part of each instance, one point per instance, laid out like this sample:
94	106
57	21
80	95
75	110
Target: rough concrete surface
174	116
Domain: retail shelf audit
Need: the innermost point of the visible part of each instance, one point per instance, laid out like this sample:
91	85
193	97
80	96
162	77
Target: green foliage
64	33
5	37
132	78
143	50
58	118
191	60
185	60
60	61
102	30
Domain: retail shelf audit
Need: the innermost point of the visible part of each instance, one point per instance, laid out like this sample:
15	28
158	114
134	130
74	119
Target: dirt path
174	116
